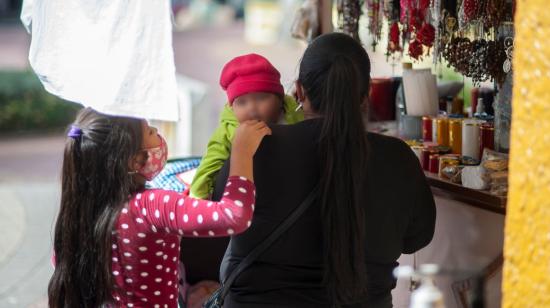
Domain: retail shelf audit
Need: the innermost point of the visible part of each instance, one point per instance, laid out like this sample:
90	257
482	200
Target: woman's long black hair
95	186
335	75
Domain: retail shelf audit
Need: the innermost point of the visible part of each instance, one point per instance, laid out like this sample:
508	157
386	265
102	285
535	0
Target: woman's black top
400	218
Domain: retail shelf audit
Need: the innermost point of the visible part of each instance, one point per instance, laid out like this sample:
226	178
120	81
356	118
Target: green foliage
26	106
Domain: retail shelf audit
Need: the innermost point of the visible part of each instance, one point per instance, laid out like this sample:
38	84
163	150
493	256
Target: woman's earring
300	106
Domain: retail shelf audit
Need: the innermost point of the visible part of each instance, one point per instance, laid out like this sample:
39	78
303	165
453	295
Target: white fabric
473	177
114	56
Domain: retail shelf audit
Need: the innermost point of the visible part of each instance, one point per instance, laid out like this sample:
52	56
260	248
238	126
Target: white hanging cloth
115	56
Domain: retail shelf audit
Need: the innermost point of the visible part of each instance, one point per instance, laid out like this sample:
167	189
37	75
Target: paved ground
29	197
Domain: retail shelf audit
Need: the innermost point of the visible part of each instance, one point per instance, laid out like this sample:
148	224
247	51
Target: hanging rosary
349	12
509	51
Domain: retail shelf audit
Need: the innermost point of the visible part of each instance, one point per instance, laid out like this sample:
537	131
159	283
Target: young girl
117	243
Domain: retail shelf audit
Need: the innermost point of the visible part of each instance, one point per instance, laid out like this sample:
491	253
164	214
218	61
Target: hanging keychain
509	49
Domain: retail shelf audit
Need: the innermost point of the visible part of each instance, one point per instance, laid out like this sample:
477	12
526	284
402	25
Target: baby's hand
248	137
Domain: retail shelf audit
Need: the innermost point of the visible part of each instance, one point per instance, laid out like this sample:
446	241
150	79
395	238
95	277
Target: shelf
476	198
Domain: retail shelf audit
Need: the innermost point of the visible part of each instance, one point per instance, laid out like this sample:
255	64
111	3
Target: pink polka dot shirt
145	250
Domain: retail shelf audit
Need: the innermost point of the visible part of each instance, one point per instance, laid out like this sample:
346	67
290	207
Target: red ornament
423	33
424	4
470	9
393	44
416	19
426	35
415	49
405	7
394	32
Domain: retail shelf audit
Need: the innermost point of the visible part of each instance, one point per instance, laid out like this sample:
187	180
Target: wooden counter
477	198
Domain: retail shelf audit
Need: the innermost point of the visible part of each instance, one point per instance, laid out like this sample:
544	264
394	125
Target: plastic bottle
480	110
427	295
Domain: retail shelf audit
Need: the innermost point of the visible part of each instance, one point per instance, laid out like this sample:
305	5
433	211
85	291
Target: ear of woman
305	103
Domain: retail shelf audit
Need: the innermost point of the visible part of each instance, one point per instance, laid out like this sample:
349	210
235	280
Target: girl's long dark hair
95	186
335	74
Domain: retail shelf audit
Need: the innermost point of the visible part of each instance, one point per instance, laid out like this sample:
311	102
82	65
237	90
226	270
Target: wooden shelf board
477	198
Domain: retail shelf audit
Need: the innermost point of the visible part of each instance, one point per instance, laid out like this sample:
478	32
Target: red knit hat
250	73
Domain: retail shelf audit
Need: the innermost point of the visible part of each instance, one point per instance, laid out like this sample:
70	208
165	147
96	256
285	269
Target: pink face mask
156	159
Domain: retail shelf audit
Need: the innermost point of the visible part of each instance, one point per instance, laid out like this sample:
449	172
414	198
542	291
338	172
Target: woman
374	202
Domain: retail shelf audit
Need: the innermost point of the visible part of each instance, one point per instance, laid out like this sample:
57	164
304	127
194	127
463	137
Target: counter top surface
476	198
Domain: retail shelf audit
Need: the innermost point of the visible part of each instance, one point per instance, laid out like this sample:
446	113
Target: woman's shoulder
305	125
302	132
387	142
391	150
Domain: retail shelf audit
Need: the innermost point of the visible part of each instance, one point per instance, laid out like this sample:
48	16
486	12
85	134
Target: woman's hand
248	137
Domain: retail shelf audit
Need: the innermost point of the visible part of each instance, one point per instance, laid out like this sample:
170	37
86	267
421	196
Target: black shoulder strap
264	245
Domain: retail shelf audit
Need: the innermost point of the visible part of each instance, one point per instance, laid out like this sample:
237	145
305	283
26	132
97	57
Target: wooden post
325	16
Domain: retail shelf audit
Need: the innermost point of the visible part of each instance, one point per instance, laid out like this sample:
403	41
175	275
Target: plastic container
443	131
455	135
427	127
470	139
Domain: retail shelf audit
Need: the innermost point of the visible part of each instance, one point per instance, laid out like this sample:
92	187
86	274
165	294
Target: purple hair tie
75	132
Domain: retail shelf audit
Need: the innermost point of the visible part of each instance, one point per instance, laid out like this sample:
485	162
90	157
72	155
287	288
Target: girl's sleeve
217	152
173	212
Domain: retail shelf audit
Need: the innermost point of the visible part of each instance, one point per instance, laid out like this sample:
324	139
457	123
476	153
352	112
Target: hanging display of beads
471	9
426	35
374	13
392	12
436	21
509	50
422	33
349	12
503	105
479	59
494	13
393	40
461	32
488	58
494	63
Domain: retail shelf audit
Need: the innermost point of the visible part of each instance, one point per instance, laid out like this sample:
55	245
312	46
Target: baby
254	91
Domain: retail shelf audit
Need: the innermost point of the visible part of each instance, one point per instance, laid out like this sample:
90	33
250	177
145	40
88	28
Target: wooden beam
325	16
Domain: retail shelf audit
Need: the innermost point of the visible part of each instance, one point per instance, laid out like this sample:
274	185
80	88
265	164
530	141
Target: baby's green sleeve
293	114
219	148
217	152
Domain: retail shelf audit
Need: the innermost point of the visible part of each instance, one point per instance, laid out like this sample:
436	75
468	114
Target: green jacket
219	147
